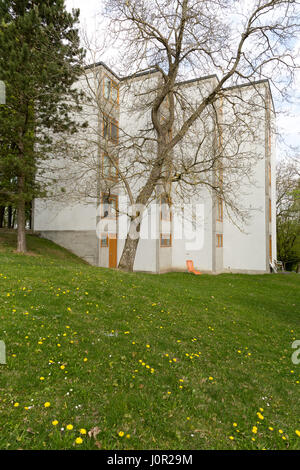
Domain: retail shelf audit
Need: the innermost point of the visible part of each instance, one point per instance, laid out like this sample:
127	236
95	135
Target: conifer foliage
40	60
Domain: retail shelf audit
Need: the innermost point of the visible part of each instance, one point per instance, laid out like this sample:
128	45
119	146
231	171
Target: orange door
112	251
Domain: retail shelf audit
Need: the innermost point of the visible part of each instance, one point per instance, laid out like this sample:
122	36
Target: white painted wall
53	215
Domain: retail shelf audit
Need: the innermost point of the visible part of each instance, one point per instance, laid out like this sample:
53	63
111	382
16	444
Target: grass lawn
142	361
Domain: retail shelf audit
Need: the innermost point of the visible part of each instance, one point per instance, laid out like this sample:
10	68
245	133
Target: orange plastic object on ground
190	267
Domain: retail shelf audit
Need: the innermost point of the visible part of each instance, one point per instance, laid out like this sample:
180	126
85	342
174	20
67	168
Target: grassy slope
172	360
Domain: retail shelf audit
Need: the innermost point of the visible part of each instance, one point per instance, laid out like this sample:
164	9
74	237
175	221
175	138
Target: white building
92	222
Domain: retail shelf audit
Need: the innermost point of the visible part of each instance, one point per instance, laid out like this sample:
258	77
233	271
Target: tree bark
21	217
9	217
129	251
2	211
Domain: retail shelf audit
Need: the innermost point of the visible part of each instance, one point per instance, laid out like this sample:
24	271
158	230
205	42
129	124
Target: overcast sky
289	125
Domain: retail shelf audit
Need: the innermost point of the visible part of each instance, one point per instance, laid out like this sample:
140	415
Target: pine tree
40	60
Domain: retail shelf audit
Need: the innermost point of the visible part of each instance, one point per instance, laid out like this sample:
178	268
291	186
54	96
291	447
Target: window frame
113	177
106	242
169	204
219	240
220	212
165	235
110	122
113	84
113	197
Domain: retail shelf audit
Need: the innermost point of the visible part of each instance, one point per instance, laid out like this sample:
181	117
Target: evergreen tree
40	60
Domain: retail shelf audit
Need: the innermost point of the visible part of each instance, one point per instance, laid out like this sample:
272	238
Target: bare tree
288	212
172	43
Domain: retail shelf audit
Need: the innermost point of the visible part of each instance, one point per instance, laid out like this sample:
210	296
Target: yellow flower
210	378
69	427
78	440
280	431
260	415
235	425
254	429
231	438
127	436
55	422
121	433
62	367
16	405
47	404
271	429
85	359
82	431
42	378
297	432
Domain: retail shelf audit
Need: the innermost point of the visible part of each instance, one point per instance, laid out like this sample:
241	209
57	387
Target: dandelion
121	433
260	416
254	429
82	431
47	404
55	422
16	405
231	438
297	432
69	427
78	440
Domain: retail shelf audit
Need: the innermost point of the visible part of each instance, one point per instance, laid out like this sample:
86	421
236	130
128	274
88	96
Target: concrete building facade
94	226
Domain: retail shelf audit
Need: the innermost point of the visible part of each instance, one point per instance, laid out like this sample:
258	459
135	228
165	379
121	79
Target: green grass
173	361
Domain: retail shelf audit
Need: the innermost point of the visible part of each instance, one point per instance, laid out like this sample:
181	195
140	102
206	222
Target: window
109	170
104	240
110	90
220	174
165	240
219	209
109	205
165	208
219	240
110	129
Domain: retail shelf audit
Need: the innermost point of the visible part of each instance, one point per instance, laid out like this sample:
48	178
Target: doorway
112	245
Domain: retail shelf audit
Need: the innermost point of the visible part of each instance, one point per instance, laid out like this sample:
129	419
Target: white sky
289	125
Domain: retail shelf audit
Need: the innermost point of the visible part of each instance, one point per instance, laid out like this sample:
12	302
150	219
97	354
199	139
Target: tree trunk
9	217
128	255
133	237
21	217
2	211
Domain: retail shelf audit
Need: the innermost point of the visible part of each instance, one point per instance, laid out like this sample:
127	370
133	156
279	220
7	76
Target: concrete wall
72	220
82	243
